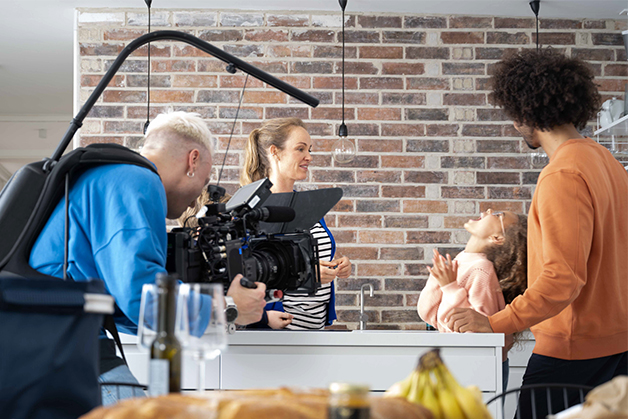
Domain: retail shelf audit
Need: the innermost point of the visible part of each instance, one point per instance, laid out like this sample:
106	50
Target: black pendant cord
535	5
537	34
235	119
342	130
148	80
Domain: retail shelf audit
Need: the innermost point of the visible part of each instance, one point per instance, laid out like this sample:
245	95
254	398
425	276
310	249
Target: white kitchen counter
264	358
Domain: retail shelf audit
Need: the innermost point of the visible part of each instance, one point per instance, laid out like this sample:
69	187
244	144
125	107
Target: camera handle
272	295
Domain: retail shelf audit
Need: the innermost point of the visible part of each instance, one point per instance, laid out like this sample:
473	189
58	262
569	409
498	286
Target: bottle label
158	377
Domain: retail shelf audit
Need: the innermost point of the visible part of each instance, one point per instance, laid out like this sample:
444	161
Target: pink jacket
476	287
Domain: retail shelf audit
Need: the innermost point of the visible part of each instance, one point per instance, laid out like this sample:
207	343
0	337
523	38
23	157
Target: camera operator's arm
250	301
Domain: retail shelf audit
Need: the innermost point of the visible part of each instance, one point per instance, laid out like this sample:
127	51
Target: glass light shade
538	159
343	150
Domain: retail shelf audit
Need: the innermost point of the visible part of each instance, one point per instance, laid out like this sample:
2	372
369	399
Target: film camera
259	242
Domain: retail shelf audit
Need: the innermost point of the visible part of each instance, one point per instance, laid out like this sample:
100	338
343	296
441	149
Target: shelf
619	127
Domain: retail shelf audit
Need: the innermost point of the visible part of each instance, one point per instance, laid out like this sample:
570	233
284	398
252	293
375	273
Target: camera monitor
309	206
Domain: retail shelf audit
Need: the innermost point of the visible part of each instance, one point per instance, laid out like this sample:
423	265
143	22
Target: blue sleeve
331	307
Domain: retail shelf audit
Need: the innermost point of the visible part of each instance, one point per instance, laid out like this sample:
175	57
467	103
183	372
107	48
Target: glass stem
201	375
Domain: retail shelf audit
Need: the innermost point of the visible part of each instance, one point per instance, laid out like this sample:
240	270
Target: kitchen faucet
363	316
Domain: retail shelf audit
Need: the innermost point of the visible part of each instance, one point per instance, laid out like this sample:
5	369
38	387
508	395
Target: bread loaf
246	404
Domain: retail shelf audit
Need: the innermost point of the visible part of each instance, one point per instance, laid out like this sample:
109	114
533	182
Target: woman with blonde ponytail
280	150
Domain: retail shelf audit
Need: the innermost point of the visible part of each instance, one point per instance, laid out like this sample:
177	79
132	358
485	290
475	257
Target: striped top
310	312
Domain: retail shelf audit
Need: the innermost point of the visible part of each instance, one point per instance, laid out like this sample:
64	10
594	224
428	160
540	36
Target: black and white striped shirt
310	312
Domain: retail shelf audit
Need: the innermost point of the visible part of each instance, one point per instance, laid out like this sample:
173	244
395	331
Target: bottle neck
167	310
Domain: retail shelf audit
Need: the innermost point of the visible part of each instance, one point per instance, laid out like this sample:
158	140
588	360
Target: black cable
148	81
343	66
235	119
537	33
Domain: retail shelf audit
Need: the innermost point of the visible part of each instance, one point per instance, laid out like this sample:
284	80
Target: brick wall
431	150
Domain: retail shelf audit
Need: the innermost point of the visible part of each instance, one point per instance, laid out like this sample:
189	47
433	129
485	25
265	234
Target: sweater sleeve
480	292
429	301
565	215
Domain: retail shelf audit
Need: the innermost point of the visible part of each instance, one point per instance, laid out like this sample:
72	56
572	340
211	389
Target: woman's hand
445	271
337	268
278	319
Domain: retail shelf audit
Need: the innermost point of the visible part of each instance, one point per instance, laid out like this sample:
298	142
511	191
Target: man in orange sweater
576	304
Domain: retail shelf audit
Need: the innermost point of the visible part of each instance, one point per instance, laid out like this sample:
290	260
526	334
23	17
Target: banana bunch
432	386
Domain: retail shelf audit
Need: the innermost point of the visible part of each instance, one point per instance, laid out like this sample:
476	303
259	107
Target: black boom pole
233	62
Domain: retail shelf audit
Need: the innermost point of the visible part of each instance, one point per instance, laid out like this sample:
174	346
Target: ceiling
36	37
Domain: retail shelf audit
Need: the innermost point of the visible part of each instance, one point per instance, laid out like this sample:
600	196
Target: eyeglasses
500	215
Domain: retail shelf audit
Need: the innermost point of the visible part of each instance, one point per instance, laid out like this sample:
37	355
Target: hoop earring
190	175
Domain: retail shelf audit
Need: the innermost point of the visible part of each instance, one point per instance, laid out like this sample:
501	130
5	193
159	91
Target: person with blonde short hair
117	229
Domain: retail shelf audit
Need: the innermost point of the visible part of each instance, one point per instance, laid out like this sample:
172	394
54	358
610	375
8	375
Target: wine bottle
165	351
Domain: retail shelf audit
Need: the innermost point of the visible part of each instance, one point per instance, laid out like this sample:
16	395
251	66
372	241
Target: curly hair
511	259
545	89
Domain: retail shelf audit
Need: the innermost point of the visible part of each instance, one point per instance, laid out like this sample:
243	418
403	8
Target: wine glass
203	331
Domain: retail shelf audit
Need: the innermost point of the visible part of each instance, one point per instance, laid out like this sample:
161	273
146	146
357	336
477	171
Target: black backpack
49	366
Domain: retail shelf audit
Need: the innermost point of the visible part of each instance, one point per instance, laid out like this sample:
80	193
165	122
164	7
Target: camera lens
273	261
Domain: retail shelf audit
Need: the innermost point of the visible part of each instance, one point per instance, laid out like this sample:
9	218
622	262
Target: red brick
464	99
441	130
590	54
359	98
139	112
412	299
404	161
611	85
286	112
509	193
123	127
301	82
264	97
457	192
121	34
211	66
493	53
425	177
381	83
379	114
515	23
427	53
555	38
381	146
379	205
594	24
403	130
352	67
380	52
272	67
464	68
312	67
87	140
312	35
429	114
359	253
360	37
379	21
360	220
481	130
619	70
498	178
334	51
190	51
124	96
427	83
403	37
344	205
266	35
401	253
287	20
470	22
380	236
607	39
428	237
560	24
93	80
462	37
171	66
508	163
411	69
405	222
425	22
395	98
221	35
334	82
519	38
455	222
156	50
194	81
100	49
427	146
379	176
333	176
332	113
502	206
369	130
422	206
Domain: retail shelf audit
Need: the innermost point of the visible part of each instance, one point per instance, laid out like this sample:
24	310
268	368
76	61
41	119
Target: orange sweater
576	303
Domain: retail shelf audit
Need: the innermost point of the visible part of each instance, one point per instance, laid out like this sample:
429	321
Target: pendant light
538	158
343	150
148	4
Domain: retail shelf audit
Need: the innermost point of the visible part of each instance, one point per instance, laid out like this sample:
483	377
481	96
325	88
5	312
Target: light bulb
343	150
538	159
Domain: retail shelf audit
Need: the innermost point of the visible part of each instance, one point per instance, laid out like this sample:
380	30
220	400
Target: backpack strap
110	325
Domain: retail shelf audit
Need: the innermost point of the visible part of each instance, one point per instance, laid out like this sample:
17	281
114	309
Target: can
348	401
